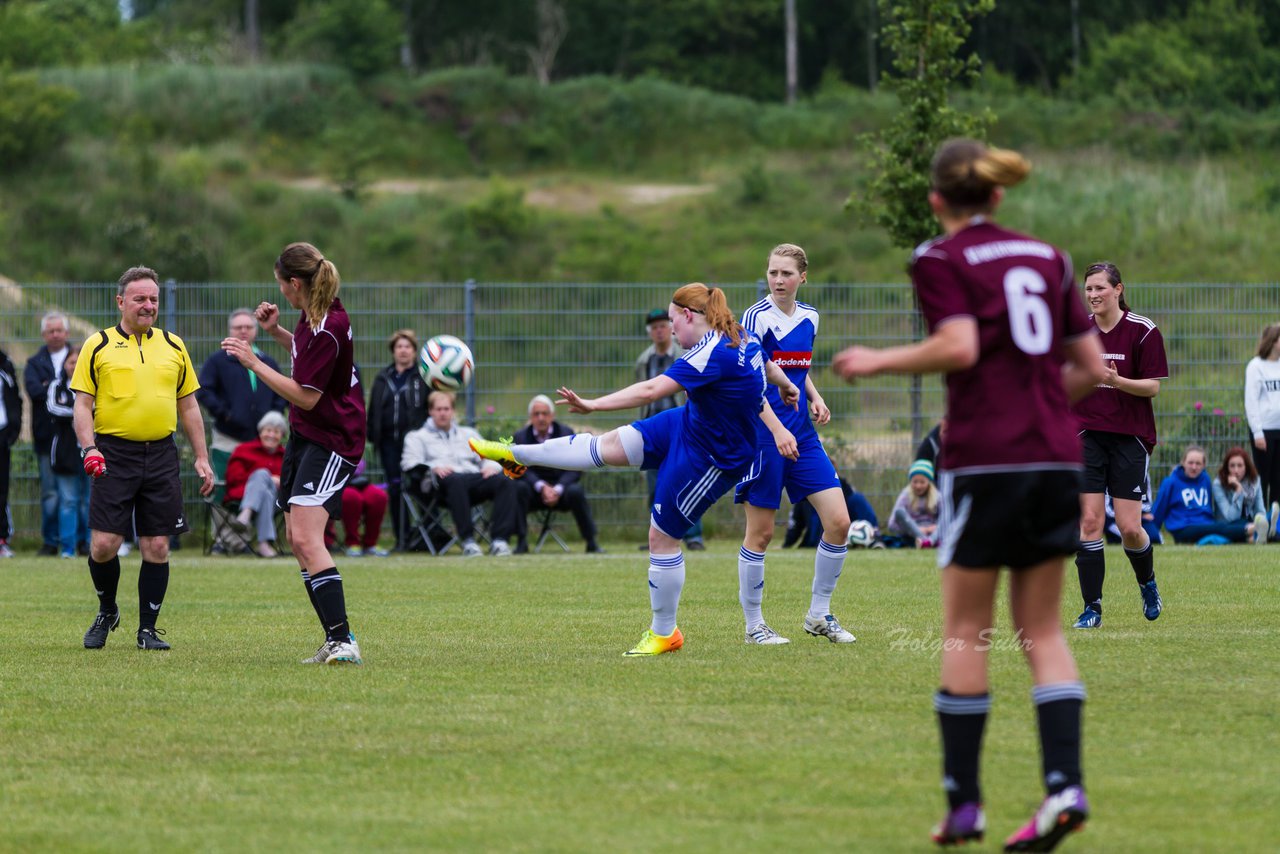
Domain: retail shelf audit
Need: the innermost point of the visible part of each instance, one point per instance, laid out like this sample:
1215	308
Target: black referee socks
153	581
106	580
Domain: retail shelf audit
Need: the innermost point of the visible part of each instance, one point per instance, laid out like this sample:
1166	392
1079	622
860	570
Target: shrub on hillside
69	32
32	117
362	36
1214	55
202	103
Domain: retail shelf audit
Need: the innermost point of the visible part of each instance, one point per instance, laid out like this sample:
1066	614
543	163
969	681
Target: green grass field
495	712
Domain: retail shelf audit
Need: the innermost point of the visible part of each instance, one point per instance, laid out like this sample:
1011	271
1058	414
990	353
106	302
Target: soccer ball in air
446	363
861	533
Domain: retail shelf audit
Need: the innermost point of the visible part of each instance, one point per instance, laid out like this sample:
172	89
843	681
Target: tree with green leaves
925	39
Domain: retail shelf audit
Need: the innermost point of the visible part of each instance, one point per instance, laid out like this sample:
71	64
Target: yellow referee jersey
135	386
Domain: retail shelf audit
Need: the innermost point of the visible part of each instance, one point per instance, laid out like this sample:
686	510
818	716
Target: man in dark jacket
397	407
10	426
232	395
548	487
41	371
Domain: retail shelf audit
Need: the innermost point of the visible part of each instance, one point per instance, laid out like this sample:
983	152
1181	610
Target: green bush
1214	55
362	36
32	118
201	104
68	32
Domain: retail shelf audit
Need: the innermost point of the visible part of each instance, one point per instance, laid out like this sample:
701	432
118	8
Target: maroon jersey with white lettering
1009	411
324	360
1136	348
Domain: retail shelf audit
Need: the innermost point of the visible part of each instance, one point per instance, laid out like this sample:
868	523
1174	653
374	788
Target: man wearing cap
653	362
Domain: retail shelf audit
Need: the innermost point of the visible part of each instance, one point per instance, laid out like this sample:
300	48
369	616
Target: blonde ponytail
319	277
965	172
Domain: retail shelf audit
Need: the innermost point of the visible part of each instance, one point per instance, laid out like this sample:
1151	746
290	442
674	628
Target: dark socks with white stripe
962	719
330	604
311	595
1144	563
1058	708
1091	567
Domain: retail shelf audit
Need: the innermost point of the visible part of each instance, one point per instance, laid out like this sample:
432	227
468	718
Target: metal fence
532	338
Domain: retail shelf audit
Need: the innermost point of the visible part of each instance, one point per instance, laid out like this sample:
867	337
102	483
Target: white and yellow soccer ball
861	533
446	363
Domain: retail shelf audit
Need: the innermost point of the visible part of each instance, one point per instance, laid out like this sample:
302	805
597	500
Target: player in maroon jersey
327	421
1118	431
1009	331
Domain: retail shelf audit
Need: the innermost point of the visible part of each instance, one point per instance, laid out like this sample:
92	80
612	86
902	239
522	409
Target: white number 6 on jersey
1029	318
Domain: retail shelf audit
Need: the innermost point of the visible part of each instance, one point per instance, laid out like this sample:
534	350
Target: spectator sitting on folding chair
556	489
253	480
438	453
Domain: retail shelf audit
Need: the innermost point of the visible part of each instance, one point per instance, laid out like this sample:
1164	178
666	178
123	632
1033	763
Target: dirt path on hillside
575	196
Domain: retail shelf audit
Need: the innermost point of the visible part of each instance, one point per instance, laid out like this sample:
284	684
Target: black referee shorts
1014	519
1114	463
141	490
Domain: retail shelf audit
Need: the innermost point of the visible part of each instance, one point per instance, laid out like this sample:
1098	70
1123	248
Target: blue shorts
813	472
688	483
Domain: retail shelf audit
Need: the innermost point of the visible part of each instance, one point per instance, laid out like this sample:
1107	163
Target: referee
127	382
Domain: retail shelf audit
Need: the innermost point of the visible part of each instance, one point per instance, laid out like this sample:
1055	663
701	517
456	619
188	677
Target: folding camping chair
547	519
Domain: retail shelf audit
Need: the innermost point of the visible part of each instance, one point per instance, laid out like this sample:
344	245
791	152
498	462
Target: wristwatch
84	452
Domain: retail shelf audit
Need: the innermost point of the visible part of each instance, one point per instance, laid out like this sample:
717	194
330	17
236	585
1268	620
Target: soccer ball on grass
446	363
861	533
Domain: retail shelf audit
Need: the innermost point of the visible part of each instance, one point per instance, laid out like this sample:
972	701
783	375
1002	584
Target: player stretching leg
700	450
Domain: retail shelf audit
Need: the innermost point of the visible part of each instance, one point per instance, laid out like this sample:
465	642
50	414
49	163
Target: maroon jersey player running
1008	329
327	421
1118	431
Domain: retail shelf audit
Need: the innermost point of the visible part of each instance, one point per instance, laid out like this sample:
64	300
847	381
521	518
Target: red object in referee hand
95	466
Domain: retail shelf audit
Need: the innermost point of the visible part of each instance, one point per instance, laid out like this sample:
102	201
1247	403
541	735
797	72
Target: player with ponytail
1009	331
700	450
787	329
327	426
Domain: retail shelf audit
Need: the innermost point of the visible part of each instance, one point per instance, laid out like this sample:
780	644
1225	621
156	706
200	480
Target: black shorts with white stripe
1017	519
313	476
1115	463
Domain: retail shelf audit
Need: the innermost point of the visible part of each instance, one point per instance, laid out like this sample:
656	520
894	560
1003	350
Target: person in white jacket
437	457
1262	409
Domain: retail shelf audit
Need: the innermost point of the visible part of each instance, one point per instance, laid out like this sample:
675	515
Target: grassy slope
495	712
193	169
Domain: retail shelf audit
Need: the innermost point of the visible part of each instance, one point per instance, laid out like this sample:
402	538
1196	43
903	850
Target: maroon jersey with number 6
1010	410
324	360
1136	348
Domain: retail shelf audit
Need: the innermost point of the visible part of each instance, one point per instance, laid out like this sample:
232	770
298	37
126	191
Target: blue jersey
788	343
726	390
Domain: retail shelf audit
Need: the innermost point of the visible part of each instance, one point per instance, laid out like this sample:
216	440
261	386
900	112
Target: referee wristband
84	452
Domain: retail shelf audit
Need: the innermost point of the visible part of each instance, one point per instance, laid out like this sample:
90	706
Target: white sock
751	585
827	564
578	452
666	580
